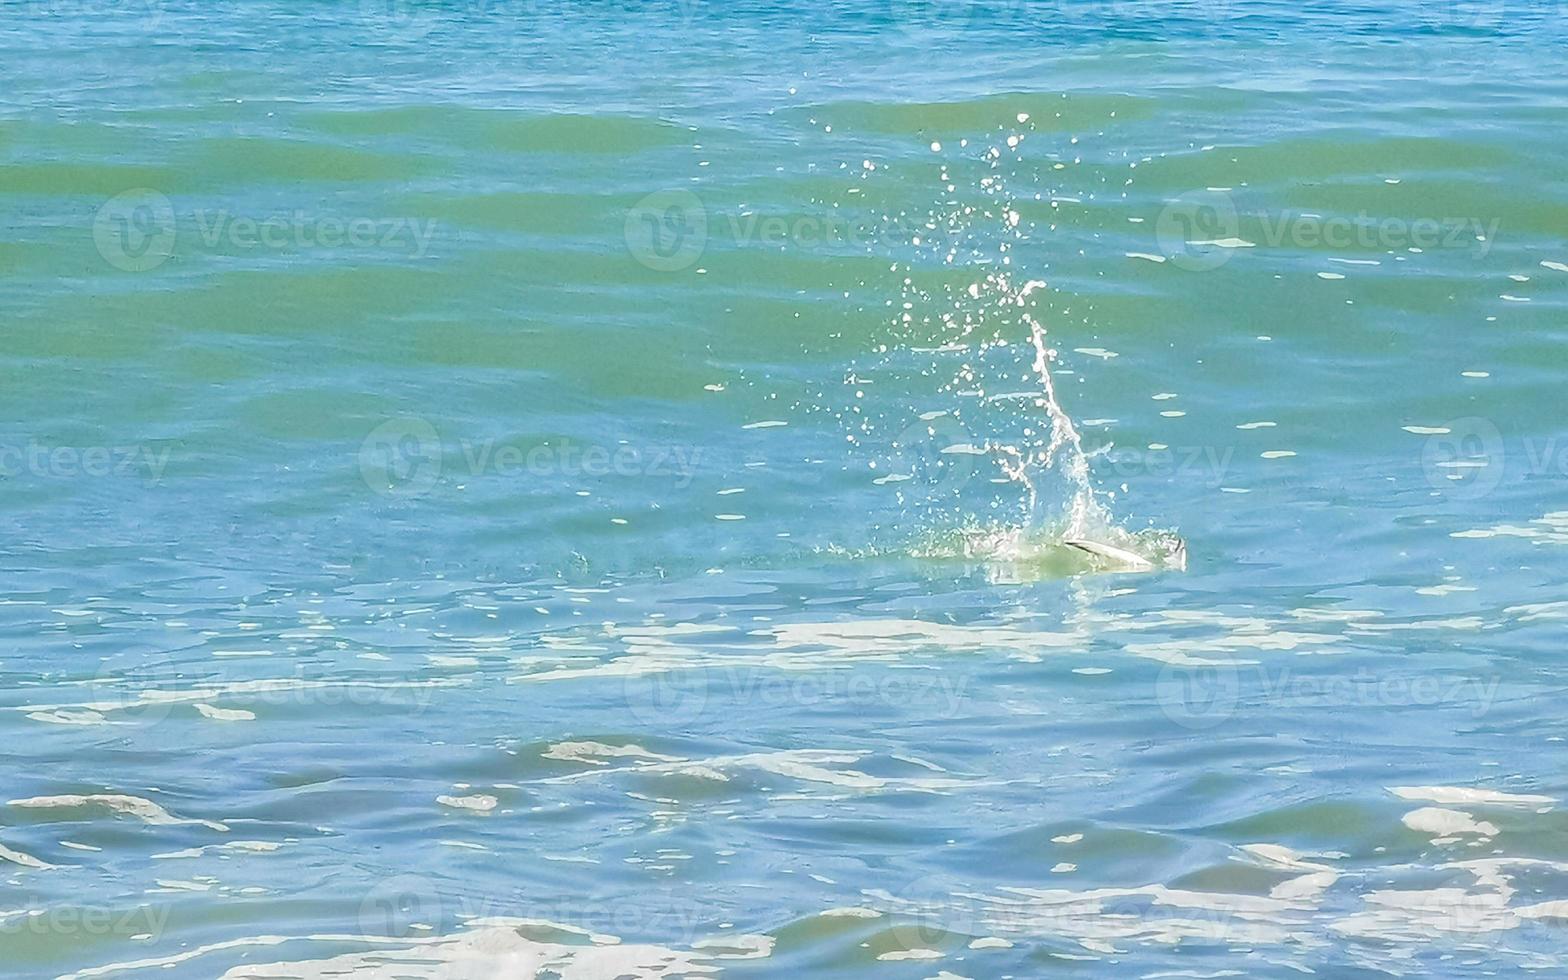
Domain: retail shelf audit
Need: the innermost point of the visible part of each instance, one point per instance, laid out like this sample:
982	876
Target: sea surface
567	489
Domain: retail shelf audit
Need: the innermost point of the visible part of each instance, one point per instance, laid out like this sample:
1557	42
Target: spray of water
969	342
1063	450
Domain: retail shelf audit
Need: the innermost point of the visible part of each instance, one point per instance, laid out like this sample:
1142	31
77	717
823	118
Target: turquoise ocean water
577	489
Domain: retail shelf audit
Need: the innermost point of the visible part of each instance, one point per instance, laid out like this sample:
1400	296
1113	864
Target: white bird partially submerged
1128	561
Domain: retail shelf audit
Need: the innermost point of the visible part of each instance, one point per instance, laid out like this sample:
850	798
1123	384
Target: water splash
1064	448
982	338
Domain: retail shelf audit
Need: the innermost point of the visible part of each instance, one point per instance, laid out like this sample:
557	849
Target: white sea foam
1465	795
488	947
134	806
